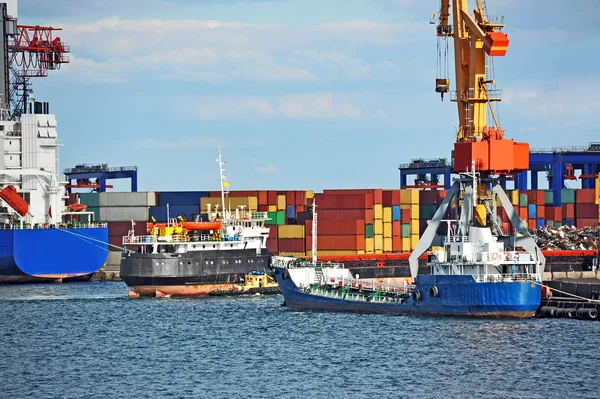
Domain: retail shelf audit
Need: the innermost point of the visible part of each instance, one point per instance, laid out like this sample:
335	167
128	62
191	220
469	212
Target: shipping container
540	211
387	214
426	212
568	211
127	199
586	211
405	215
523	199
120	229
557	224
123	213
414	212
540	197
396	213
253	204
414	240
177	198
262	198
277	218
369	232
290	212
90	199
581	223
272	245
569	222
281	202
540	223
370	244
387	244
343	214
531	211
160	212
409	196
337	227
346	242
272	198
405	230
568	196
272	208
585	196
291	245
549	197
290	231
387	230
406	244
396	228
378	239
514	197
349	201
390	197
415	227
378	227
396	244
232	203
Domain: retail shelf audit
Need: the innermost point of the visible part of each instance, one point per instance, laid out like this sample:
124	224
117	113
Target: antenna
222	177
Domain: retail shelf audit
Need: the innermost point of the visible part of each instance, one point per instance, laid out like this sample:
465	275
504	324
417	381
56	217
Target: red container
429	197
273	232
581	223
540	197
503	215
532	224
390	197
531	197
350	201
568	211
117	241
540	211
290	198
396	228
442	195
300	198
557	214
586	211
396	244
272	197
523	213
405	215
337	227
120	229
549	213
272	245
291	245
337	243
585	196
262	198
263	208
377	193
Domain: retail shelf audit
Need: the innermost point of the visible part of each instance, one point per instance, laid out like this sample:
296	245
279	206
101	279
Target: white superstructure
30	163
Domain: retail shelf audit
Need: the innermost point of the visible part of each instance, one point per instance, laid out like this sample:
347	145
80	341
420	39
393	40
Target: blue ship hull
40	255
459	295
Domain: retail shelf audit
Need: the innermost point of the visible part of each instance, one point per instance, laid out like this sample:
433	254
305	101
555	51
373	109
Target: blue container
160	212
290	212
181	198
540	223
531	209
395	212
569	222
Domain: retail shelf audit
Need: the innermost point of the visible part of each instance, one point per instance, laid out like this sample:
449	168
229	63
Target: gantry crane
481	152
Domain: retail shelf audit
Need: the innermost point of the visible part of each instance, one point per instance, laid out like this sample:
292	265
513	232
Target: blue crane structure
101	173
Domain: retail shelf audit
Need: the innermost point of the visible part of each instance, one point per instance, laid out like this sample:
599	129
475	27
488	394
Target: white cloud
304	106
194	142
268	169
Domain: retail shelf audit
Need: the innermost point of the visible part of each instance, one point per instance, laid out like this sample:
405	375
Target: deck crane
481	153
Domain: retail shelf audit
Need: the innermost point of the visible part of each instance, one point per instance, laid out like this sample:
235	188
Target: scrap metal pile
567	238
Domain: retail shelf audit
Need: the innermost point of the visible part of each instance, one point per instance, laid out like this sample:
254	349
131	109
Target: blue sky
300	94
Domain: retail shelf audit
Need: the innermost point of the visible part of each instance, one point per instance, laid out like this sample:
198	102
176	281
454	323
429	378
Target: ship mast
222	178
314	233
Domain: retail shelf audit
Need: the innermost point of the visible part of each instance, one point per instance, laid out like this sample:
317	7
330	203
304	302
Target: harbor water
88	340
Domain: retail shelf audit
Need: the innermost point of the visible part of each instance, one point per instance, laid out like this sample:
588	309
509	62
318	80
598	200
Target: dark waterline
88	340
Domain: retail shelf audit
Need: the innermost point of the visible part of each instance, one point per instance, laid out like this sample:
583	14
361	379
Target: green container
369	231
95	218
522	199
426	212
568	196
406	231
272	218
548	197
557	224
90	199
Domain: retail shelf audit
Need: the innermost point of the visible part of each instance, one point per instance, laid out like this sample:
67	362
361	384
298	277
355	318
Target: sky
299	94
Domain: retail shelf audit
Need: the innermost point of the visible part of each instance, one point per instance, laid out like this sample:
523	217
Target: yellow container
295	254
378	242
414	227
387	230
387	245
253	204
377	211
414	212
406	244
290	231
369	245
514	197
370	252
405	206
387	214
326	253
378	251
310	194
414	240
377	226
272	208
281	202
409	196
360	252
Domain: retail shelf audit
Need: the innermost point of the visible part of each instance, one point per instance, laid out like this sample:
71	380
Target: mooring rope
567	293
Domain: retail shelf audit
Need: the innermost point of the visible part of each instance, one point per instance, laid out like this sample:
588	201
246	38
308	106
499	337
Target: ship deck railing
177	238
371	285
457	239
507	256
42	226
504	278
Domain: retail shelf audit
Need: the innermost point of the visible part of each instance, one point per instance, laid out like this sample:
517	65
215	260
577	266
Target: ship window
189	263
459	247
231	245
214	246
204	246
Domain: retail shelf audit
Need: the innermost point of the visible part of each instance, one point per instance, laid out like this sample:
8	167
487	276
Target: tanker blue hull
458	295
40	255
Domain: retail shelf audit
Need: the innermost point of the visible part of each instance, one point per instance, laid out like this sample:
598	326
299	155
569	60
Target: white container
128	199
123	213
